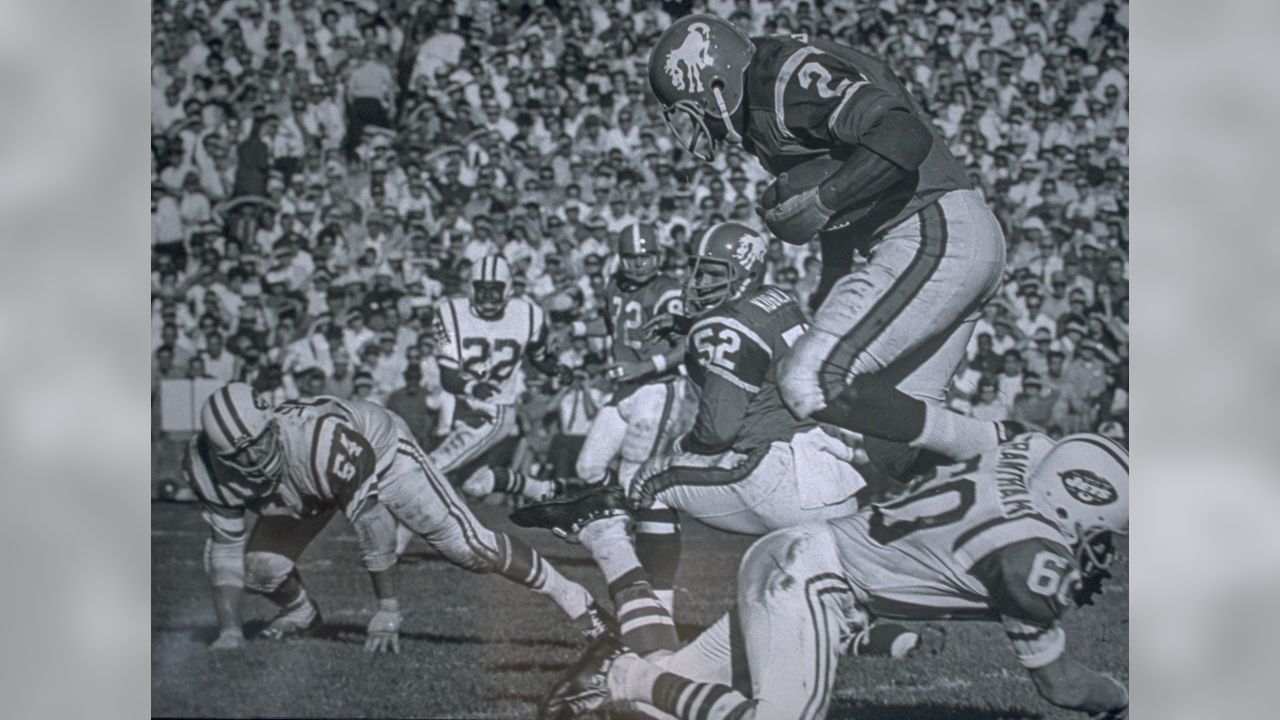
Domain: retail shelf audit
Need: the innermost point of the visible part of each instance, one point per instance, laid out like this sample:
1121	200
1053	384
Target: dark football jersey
809	99
739	343
628	307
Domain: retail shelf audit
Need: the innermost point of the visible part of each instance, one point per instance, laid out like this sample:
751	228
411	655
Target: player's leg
794	606
923	278
727	491
420	497
271	556
602	445
652	414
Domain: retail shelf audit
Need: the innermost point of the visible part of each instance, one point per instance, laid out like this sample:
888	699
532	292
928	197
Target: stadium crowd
323	171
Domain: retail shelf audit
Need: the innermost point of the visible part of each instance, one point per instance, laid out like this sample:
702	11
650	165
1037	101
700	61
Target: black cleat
1007	430
293	621
583	687
596	622
566	516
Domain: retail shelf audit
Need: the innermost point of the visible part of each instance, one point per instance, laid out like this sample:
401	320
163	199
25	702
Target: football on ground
482	647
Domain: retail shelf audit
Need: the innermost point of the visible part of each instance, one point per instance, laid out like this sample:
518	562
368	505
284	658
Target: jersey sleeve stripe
985	538
779	89
844	102
734	324
317	439
227	437
720	372
457	330
667	296
235	416
532	324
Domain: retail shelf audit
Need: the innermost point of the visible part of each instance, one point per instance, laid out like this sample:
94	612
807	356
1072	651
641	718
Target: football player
890	334
651	402
748	465
482	341
296	465
1019	534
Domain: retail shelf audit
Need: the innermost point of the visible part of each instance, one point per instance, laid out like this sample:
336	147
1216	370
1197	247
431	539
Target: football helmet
490	286
241	428
697	70
638	252
728	262
1083	485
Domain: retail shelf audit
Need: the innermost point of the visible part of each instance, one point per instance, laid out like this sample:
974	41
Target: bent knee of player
265	572
479	555
782	561
591	465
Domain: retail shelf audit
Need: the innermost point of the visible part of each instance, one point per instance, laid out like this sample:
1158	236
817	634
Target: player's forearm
386	583
893	149
590	328
1068	684
452	380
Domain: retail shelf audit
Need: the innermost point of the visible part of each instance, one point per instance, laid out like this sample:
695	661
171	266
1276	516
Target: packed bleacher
323	171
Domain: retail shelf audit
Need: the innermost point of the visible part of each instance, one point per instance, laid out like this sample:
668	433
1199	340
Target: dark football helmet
697	69
638	252
728	262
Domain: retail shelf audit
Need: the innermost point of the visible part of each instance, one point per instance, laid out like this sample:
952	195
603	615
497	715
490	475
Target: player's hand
229	639
627	371
660	327
483	390
383	634
797	219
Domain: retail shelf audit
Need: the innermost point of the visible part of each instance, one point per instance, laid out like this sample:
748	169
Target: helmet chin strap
731	133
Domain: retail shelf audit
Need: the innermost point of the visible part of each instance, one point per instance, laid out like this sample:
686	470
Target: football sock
291	593
645	623
954	435
635	679
521	563
514	482
658	548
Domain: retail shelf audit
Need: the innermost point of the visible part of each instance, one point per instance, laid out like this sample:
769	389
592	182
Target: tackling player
650	403
748	465
1019	534
890	334
482	341
300	462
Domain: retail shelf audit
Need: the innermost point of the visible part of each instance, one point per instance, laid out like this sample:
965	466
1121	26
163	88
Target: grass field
482	647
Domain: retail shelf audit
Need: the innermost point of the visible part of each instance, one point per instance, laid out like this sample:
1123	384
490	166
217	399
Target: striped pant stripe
838	365
694	476
476	445
816	588
460	515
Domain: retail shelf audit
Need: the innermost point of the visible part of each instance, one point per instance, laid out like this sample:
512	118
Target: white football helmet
1083	485
490	286
241	429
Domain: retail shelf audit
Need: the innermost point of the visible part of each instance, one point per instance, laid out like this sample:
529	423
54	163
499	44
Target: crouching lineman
651	402
1020	533
296	465
748	465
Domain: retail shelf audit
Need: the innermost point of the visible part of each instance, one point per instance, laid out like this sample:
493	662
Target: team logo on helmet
260	402
751	250
684	65
1088	488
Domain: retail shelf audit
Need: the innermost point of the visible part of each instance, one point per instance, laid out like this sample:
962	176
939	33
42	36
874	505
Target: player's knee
780	563
641	431
265	572
476	557
591	467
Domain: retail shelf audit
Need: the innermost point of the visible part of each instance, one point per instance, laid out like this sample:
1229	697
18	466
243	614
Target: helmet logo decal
684	65
1088	488
751	249
260	402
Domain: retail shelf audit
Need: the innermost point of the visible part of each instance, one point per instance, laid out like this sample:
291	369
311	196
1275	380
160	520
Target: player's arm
733	360
453	378
376	535
829	102
1031	584
536	349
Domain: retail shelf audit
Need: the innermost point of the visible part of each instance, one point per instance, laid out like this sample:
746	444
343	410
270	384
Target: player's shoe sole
284	627
566	516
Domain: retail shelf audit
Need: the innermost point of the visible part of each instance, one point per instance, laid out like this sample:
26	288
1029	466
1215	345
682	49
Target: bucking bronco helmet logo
697	70
684	64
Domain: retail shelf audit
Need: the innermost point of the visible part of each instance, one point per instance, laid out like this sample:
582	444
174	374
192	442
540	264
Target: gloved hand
383	634
483	390
796	219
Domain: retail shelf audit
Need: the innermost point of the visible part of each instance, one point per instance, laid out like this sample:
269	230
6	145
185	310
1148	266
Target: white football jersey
490	350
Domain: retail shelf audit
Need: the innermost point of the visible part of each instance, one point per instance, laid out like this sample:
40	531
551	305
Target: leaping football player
1019	534
298	464
651	402
747	466
889	335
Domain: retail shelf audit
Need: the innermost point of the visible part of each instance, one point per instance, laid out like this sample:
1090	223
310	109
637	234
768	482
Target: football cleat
583	687
293	621
596	622
895	641
568	515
